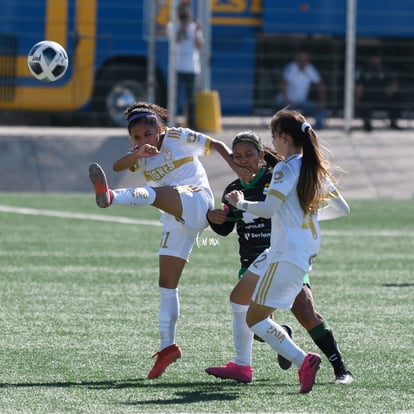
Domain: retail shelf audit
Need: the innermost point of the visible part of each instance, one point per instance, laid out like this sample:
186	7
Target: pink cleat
239	373
307	372
100	184
165	357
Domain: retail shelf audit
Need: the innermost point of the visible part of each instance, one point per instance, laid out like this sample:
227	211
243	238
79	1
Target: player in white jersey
178	186
254	235
296	193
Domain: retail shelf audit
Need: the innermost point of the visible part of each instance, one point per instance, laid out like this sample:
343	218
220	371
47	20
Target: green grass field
79	314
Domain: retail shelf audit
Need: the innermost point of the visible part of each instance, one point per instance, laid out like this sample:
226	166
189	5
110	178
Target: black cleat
283	362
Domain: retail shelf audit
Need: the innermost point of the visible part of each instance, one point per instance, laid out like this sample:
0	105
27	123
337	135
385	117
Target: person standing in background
189	41
376	88
295	83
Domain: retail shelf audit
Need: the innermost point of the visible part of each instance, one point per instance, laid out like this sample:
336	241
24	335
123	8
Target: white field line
77	216
127	220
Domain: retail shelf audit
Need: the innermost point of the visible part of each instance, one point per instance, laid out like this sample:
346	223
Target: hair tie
138	115
304	126
248	136
255	141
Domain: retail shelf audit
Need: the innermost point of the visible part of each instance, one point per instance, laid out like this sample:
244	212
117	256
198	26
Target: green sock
323	337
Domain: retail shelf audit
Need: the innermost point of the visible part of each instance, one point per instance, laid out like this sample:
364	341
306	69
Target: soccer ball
47	61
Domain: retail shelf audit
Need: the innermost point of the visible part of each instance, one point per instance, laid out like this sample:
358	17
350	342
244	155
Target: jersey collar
252	183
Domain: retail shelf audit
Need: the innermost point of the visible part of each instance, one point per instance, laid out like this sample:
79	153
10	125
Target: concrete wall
376	165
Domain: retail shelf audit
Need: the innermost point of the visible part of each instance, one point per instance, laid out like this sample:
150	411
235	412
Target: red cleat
165	357
100	184
307	372
239	373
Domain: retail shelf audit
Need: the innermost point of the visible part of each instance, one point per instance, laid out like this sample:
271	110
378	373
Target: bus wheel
117	89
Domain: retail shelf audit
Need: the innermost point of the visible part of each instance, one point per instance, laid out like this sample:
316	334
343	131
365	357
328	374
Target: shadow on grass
207	391
191	396
130	383
182	392
145	383
217	391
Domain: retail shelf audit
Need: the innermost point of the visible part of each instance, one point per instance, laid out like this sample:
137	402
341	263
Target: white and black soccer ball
47	61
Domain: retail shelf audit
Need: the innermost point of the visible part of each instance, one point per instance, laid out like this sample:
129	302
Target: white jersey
295	237
177	164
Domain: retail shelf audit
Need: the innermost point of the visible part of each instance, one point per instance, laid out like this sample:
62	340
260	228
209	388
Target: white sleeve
266	208
335	205
283	182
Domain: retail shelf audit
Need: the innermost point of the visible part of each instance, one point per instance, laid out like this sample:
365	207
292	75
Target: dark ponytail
313	170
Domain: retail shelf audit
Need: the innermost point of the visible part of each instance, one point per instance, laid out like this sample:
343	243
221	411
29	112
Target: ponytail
312	171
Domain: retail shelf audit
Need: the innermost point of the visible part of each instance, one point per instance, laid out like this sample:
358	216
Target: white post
172	76
152	41
204	17
350	64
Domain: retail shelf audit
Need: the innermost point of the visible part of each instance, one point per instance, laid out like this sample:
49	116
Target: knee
237	297
308	318
250	321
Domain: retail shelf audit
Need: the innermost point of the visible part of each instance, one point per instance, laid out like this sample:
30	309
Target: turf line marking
127	220
78	216
368	233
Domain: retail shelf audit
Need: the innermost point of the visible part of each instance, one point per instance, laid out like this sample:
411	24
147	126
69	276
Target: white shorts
279	282
178	236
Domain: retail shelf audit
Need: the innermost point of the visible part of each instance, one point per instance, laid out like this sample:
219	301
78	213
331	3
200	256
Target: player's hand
146	151
234	197
217	216
244	174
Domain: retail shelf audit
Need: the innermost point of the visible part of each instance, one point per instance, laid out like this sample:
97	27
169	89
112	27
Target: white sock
242	335
279	340
133	197
169	311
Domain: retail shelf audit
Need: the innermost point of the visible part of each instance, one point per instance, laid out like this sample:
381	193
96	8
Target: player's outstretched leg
100	184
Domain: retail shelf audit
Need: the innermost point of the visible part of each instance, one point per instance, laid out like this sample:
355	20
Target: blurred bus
251	40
